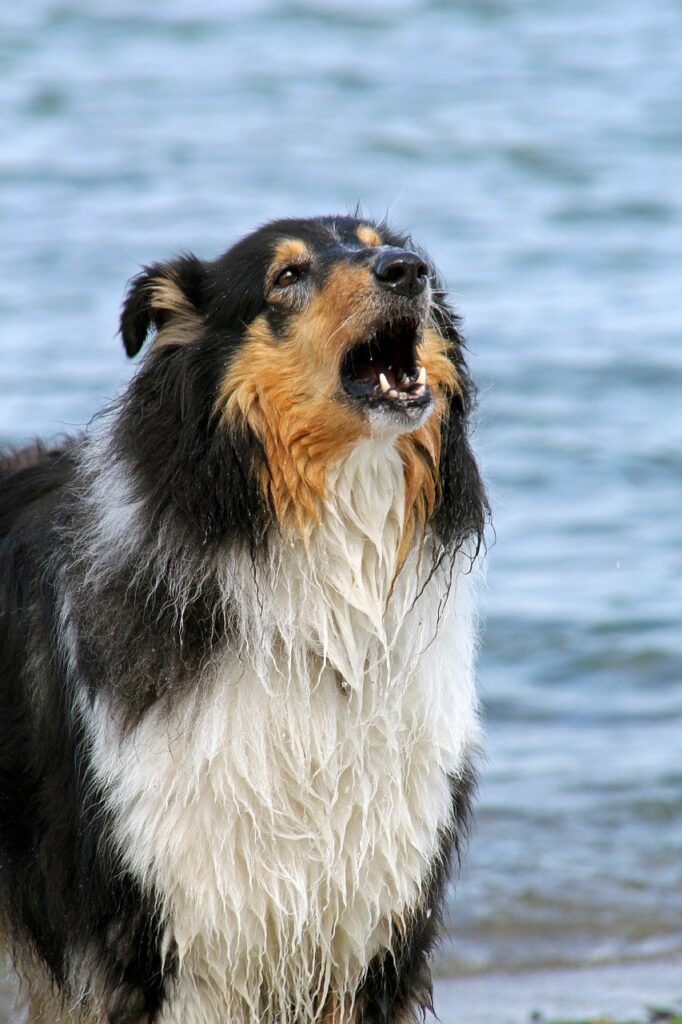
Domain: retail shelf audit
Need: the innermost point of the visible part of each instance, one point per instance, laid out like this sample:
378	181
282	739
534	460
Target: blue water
535	148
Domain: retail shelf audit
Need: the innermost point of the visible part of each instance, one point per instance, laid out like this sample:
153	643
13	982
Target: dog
237	630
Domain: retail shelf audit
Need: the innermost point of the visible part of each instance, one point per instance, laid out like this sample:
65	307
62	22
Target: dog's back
29	478
32	479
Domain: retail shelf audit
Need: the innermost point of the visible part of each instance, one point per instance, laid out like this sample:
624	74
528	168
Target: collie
237	708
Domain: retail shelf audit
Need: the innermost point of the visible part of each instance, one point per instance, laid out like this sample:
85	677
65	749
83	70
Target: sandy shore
618	991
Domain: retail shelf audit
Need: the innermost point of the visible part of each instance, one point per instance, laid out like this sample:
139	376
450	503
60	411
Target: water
536	150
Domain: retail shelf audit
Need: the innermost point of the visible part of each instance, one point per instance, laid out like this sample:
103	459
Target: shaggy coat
237	709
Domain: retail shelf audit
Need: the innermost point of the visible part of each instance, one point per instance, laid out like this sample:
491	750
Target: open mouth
383	369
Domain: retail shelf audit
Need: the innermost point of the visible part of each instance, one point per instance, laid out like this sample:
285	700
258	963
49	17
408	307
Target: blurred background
535	149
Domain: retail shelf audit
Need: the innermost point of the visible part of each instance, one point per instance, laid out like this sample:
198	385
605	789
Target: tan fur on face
286	395
288	391
184	322
368	235
289	251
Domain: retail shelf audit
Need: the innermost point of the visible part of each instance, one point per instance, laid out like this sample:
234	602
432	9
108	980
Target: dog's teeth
402	395
393	393
385	386
405	379
421	379
419	392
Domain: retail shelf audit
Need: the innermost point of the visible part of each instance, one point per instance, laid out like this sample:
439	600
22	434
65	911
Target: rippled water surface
536	150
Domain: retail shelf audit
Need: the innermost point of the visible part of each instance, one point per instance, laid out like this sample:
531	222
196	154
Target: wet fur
236	700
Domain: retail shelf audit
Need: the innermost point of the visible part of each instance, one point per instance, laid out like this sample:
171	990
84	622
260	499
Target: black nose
401	271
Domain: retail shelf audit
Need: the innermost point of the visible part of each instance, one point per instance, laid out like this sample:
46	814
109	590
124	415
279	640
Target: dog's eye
288	276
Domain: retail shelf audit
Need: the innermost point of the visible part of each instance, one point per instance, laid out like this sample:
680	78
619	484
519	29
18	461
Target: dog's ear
167	298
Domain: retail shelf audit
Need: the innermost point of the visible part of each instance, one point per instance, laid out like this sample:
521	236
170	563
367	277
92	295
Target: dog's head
306	336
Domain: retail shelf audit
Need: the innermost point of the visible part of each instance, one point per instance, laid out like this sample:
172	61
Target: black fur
65	897
62	891
398	985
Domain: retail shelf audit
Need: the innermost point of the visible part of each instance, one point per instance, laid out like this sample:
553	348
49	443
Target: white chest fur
288	811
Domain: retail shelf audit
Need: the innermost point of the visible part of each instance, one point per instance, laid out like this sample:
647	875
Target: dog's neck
339	593
337	596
